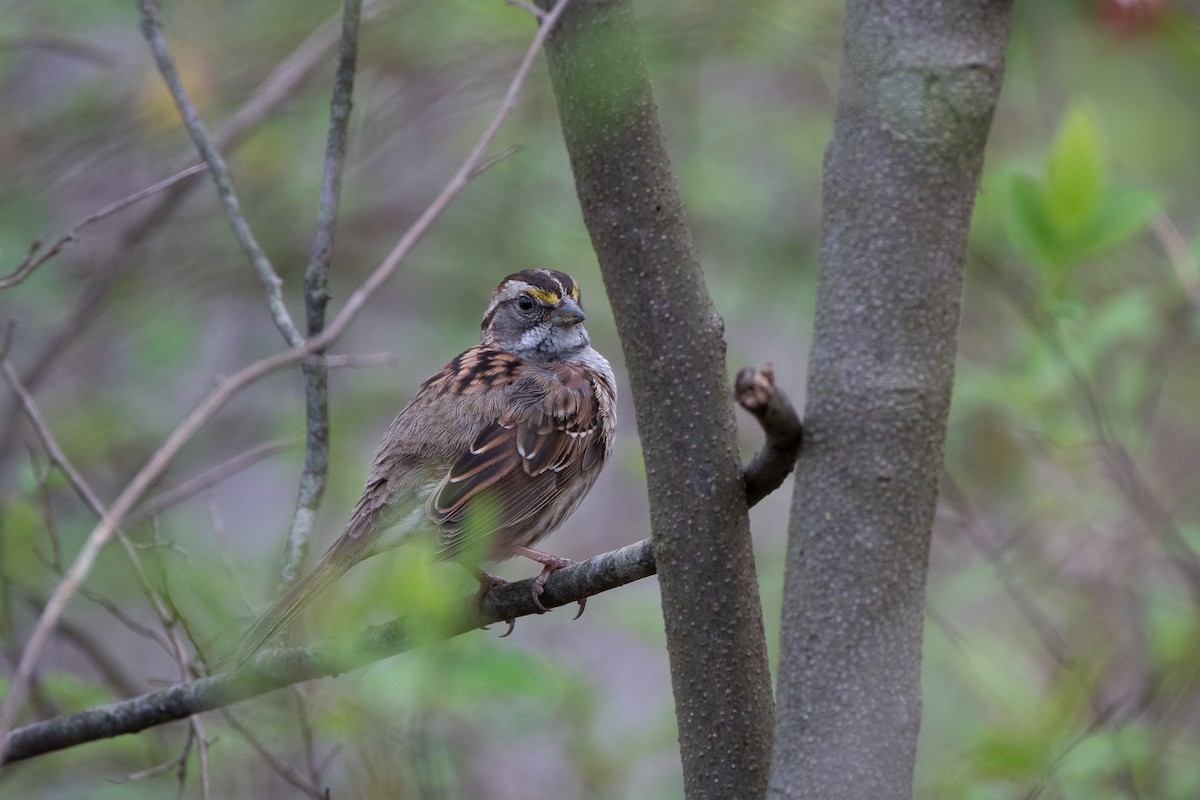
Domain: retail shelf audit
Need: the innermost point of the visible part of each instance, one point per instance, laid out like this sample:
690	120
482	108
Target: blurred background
1063	638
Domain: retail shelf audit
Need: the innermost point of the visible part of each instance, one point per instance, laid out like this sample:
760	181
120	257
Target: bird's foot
550	565
486	584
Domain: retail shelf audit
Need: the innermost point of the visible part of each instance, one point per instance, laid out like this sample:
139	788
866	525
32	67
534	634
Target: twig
110	670
75	47
275	669
458	182
152	30
228	387
755	391
972	525
207	479
161	605
316	296
75	478
273	763
197	726
354	360
532	10
272	93
1122	468
1179	256
175	762
306	735
30	264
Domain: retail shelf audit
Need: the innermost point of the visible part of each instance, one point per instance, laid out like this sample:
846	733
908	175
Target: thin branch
74	47
532	10
755	391
152	30
316	296
109	668
33	260
266	99
225	389
1179	256
355	360
286	78
275	669
197	726
75	478
306	735
273	763
175	762
207	479
162	606
466	171
1122	468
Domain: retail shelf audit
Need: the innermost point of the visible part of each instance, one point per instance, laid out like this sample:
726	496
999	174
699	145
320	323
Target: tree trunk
675	354
918	85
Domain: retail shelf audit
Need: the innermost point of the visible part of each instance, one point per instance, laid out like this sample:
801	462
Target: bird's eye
525	302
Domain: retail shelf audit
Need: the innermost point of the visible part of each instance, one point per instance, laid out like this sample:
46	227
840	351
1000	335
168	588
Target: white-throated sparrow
514	431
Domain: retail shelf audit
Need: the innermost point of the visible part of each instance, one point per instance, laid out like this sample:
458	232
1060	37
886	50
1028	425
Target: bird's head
536	314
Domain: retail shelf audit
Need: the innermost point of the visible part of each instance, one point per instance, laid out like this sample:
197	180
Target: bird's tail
289	604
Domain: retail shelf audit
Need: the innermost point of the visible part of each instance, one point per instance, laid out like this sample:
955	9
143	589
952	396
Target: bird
493	452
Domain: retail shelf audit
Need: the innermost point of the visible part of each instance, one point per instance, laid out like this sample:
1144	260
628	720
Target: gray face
536	314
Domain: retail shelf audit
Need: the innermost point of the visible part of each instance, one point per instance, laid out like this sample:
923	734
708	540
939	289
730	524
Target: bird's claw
551	565
486	584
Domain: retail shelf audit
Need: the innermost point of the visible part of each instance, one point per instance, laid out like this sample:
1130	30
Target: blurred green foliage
1063	644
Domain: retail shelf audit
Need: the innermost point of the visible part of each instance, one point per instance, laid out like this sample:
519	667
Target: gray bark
674	350
918	85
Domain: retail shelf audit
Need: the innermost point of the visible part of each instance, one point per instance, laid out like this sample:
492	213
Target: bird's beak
568	313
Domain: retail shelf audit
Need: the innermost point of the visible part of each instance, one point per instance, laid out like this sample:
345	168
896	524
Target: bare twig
175	762
352	360
75	47
306	735
266	99
152	30
1179	256
1121	466
273	763
207	479
33	260
96	653
197	726
316	296
161	605
229	386
755	391
532	10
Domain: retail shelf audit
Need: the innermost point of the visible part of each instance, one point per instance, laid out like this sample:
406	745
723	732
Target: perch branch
275	669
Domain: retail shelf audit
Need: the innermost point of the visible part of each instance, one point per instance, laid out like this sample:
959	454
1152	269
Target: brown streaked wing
523	460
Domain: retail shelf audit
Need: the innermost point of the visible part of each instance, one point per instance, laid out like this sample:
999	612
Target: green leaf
1121	215
1074	171
1027	223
